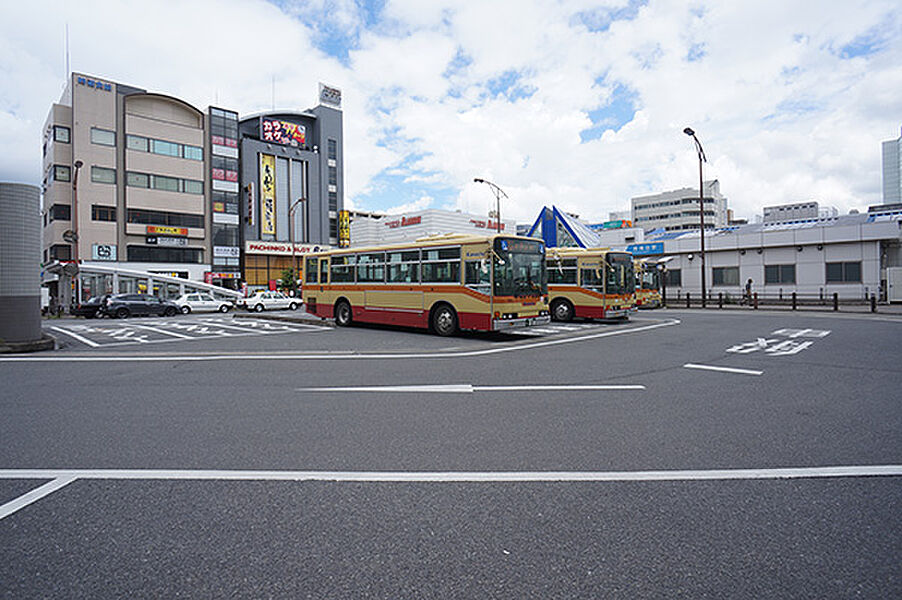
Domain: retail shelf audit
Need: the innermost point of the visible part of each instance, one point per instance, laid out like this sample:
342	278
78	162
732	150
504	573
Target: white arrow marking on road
722	369
466	388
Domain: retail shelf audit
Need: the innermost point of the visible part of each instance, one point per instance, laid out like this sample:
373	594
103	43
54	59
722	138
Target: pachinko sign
283	132
267	194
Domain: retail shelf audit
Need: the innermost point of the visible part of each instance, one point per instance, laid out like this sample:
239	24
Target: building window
673	277
136	142
103	213
141	180
104	137
333	200
332	149
225	235
779	274
333	176
62	173
844	272
164	254
726	275
61	252
165	148
193	152
192	186
167	184
333	228
103	175
61	134
60	212
156	217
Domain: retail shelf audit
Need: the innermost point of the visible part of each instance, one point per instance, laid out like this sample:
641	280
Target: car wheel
259	308
122	313
561	310
343	313
293	306
224	308
170	311
444	320
186	310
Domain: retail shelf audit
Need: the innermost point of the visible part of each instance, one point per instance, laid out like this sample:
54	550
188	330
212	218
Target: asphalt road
497	478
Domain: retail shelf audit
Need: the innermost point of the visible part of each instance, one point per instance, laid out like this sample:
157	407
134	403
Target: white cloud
438	93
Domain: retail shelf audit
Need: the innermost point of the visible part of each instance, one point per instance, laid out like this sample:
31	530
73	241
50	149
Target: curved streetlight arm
498	192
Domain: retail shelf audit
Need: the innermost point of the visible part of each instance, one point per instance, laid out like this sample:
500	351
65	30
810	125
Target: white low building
846	255
375	230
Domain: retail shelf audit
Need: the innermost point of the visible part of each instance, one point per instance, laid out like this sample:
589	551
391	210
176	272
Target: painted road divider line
35	494
466	388
64	477
723	369
163	331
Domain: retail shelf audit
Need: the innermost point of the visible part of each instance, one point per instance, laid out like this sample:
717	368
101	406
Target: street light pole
701	205
294	266
78	165
498	193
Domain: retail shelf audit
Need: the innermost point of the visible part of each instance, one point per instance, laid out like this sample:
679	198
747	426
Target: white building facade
814	258
677	210
375	230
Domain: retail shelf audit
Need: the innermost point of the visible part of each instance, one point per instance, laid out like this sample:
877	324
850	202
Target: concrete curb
302	318
47	342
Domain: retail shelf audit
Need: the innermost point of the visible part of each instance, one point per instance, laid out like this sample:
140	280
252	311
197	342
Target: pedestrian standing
748	292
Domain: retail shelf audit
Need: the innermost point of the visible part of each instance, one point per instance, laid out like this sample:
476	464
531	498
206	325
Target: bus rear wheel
561	310
342	313
444	320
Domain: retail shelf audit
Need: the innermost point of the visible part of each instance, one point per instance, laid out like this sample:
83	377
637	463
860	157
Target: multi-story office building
291	178
125	179
678	209
892	171
151	183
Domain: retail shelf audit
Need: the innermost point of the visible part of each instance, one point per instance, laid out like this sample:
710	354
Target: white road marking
722	369
81	339
35	494
337	356
68	475
466	388
164	332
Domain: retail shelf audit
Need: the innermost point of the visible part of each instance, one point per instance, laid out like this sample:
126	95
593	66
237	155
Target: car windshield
519	268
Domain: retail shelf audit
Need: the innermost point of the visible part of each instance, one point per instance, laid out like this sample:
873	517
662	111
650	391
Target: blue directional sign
646	249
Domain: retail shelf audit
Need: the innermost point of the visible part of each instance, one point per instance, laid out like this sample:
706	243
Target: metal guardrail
792	301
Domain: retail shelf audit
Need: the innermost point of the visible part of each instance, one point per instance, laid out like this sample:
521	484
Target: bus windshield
650	279
619	272
519	267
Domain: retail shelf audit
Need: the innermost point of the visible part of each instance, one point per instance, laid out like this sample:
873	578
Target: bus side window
310	271
324	270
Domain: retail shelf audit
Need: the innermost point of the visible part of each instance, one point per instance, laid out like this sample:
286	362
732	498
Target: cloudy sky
575	103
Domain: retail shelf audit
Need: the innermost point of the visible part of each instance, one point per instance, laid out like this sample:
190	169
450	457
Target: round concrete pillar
20	261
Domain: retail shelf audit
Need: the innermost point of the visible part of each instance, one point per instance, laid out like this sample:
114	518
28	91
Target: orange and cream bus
592	283
648	284
446	283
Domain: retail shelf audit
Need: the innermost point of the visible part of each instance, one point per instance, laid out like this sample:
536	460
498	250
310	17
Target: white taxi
201	302
261	301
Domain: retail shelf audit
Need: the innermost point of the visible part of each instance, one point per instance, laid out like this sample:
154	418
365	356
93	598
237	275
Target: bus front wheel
562	310
342	313
444	320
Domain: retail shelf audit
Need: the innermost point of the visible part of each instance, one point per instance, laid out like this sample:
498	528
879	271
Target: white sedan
200	302
269	301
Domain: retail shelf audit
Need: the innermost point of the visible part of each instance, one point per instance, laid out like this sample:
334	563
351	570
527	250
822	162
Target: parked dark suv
122	306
